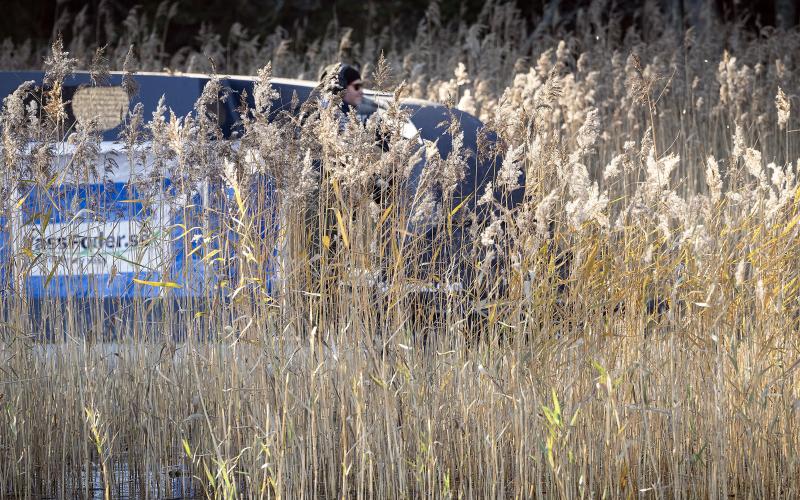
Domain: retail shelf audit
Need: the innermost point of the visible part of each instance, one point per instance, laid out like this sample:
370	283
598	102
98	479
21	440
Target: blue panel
85	238
109	206
114	201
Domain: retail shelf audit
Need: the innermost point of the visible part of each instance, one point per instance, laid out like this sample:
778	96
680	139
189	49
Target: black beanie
347	75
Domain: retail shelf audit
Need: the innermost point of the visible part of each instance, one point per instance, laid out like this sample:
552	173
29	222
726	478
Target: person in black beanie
353	85
344	81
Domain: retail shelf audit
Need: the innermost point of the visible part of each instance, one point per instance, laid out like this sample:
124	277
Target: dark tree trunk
785	13
675	10
698	13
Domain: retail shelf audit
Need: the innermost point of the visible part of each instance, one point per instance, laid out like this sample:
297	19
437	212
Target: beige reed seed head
783	106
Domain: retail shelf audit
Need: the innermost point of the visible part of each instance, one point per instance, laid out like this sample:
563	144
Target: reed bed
629	329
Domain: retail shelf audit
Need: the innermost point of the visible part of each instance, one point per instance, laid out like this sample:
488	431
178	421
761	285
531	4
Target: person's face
354	93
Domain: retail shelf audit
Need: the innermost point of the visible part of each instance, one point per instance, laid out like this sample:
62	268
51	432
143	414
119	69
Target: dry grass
663	363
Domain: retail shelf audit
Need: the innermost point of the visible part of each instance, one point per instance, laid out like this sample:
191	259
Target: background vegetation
387	24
